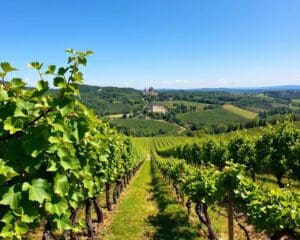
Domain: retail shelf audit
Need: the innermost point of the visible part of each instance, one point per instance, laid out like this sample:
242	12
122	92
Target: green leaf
23	108
61	184
82	61
69	163
6	171
58	206
71	59
29	217
35	65
7	232
76	198
51	69
78	77
62	71
70	50
38	190
42	85
59	82
13	125
36	140
3	95
88	52
21	228
13	149
52	166
6	67
28	213
62	223
11	198
7	218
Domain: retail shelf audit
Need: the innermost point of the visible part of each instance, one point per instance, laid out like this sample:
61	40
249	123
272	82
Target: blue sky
164	43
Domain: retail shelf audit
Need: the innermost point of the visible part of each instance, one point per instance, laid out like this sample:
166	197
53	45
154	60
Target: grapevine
55	154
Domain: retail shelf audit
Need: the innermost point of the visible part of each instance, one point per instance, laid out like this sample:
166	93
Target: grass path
149	211
130	219
171	221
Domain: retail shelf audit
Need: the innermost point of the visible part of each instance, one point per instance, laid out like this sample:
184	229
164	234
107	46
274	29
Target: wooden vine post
230	214
107	195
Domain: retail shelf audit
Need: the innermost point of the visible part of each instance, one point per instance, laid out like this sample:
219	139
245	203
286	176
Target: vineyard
209	180
62	169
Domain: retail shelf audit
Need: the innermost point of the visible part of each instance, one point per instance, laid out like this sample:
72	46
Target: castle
150	92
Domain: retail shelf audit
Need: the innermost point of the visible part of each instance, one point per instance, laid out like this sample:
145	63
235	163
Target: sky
163	43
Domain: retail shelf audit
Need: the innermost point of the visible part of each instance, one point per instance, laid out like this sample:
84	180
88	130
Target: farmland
172	103
145	127
211	117
195	111
239	111
167	185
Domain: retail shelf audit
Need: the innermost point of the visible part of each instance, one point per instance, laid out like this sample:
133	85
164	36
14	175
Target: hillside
239	111
111	100
207	111
210	117
145	127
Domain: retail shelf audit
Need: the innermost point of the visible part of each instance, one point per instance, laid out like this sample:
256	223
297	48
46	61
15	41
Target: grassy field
296	101
240	111
146	127
170	104
211	117
254	109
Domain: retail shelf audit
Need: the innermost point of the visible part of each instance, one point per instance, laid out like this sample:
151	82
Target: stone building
156	108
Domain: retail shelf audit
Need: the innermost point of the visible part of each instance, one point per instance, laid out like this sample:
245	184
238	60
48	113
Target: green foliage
266	209
275	151
111	100
54	152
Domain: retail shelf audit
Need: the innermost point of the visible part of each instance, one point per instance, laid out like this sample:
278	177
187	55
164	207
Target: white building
156	108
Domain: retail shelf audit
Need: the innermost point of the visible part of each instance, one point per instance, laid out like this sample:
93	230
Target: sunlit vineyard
235	173
56	156
63	171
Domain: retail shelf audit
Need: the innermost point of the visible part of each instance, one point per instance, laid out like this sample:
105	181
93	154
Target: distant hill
208	110
115	90
122	90
111	100
238	90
